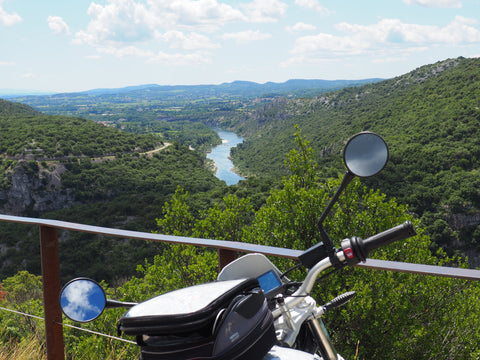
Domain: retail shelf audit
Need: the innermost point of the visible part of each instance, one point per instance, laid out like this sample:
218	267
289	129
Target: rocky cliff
33	189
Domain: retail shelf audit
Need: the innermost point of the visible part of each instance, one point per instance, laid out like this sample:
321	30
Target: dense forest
126	192
77	170
394	315
137	170
81	171
28	131
429	117
46	136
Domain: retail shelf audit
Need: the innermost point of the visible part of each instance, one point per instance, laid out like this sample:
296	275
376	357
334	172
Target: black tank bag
223	320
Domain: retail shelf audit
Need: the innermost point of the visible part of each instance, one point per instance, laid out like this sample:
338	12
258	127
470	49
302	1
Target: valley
141	164
429	117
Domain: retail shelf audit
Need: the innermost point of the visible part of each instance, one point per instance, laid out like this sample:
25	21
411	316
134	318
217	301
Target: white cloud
193	41
328	43
399	56
128	27
387	34
178	59
8	19
300	26
436	3
58	26
209	13
265	11
119	21
246	36
6	63
313	5
128	50
459	31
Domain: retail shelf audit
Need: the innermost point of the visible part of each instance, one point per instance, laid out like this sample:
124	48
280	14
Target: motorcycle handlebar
352	252
359	248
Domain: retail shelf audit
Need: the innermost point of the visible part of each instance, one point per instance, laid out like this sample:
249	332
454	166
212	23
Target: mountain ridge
235	88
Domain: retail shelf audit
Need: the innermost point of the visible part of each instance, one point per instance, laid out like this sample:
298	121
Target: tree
394	316
22	292
225	221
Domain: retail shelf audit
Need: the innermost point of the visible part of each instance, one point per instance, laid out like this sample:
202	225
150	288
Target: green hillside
178	113
27	132
78	170
8	108
430	118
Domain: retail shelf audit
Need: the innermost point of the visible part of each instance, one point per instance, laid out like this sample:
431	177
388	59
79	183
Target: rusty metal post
225	257
51	292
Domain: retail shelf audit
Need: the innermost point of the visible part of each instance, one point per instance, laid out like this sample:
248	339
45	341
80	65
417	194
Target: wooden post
225	257
51	292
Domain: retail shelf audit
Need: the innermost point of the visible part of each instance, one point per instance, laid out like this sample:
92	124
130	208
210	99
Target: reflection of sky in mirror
82	301
366	155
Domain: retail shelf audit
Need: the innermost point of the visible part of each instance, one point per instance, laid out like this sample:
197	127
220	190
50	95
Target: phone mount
364	155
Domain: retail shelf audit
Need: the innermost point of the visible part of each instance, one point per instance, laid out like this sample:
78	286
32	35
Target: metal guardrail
227	251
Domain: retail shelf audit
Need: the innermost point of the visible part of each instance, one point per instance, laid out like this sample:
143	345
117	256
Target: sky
76	45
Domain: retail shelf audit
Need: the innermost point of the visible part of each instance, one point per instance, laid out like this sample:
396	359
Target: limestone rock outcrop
34	189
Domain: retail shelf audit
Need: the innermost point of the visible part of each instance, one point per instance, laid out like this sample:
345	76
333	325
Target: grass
30	349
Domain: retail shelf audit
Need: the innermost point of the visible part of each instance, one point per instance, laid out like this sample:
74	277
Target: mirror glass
365	154
82	300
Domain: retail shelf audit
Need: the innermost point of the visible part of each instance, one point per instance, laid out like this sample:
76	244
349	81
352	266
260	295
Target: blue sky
73	45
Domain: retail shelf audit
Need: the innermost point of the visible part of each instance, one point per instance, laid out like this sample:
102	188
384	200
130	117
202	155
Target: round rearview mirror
365	154
82	300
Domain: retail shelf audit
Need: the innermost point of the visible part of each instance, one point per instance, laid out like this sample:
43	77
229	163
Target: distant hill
153	92
13	93
430	118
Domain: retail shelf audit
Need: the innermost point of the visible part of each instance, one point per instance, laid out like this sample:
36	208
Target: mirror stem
347	178
328	243
116	304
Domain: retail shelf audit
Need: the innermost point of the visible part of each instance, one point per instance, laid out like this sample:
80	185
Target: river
221	157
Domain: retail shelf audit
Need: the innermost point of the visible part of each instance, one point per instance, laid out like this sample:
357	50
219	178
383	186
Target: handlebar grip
399	232
358	249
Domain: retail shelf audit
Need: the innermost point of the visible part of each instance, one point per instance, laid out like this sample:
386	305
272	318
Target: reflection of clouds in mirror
366	154
76	300
367	165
